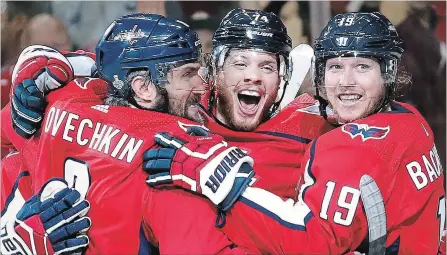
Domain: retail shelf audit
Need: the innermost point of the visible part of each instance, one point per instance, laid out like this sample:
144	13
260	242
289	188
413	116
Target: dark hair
116	99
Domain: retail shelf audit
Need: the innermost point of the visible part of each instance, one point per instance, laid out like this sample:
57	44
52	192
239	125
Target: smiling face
247	87
185	90
354	87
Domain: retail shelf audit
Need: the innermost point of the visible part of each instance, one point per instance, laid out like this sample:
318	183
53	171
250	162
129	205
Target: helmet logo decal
257	17
346	21
342	41
161	69
117	83
130	35
260	33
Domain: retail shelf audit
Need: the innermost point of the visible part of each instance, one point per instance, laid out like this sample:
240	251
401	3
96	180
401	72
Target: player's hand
48	68
27	108
51	222
201	162
39	70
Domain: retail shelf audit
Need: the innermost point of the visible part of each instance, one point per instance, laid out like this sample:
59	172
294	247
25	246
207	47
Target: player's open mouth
349	99
249	101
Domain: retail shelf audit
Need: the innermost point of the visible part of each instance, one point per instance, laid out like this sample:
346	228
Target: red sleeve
316	224
80	90
416	205
182	222
329	217
15	187
9	138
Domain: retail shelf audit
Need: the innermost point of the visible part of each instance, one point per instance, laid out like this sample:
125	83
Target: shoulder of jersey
403	125
85	83
301	101
141	119
81	89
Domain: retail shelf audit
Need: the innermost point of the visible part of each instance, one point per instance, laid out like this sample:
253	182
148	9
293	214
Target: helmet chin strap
385	100
274	108
323	103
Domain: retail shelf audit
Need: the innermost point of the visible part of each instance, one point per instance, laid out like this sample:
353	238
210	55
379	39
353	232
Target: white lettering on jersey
69	127
55	118
79	138
97	135
130	149
425	171
105	142
104	138
119	145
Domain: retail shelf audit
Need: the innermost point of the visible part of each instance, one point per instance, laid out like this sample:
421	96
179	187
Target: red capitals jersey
278	145
396	149
15	187
98	150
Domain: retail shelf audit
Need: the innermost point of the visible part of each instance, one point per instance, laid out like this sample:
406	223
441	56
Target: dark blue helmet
144	42
243	28
362	35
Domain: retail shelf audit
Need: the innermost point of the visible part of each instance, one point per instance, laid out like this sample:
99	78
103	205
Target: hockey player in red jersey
376	178
23	228
99	146
250	74
274	138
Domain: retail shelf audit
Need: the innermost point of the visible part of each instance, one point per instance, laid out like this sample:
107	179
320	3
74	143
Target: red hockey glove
46	66
39	70
51	222
203	164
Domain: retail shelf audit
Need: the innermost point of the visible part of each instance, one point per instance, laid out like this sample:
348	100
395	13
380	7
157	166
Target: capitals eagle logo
365	132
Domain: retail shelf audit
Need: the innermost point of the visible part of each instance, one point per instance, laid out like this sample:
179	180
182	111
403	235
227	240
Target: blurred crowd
70	25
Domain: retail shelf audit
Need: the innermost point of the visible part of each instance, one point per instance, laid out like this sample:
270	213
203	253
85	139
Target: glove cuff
218	177
243	179
22	239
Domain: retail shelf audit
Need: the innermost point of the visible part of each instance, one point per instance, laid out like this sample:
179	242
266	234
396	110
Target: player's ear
143	89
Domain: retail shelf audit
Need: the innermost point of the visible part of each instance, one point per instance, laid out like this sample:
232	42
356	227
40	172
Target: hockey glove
27	108
51	222
203	164
39	70
46	66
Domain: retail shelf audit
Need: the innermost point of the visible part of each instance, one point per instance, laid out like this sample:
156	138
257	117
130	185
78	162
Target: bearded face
184	91
247	86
